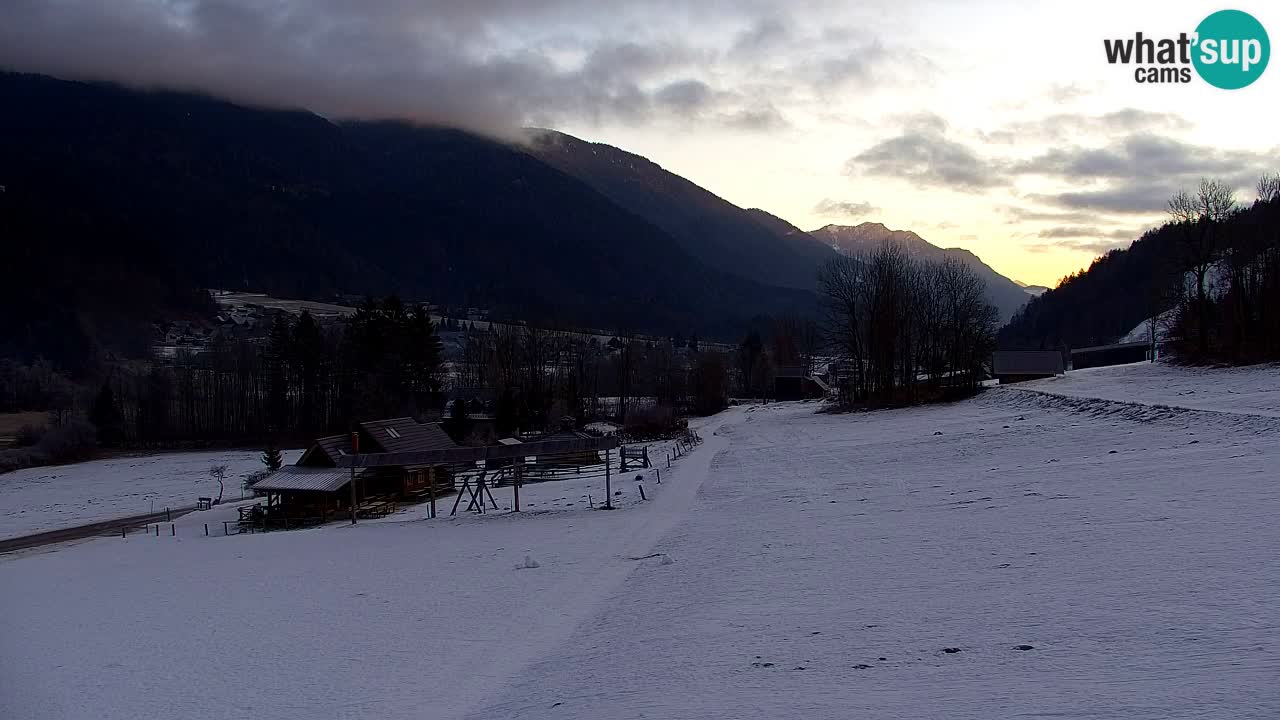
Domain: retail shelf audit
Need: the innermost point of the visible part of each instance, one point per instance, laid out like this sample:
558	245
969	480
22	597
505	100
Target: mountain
1007	295
708	227
1032	290
157	194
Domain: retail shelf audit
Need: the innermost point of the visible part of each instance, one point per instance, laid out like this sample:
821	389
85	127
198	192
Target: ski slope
1080	558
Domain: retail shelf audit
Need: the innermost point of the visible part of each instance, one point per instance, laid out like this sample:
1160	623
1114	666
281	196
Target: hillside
710	228
1123	288
1002	292
181	191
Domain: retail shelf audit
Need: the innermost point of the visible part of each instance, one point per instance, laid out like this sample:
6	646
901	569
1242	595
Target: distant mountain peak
749	244
1004	293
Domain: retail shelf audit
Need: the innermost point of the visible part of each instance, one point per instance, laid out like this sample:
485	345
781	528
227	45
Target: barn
1011	366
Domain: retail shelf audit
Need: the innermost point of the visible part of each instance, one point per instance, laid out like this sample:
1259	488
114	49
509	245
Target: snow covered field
1079	558
48	498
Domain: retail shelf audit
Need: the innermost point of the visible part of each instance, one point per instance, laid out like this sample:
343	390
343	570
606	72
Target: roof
791	371
406	435
297	477
1026	362
1114	346
566	435
331	448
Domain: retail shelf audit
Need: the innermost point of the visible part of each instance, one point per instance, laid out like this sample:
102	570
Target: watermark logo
1229	50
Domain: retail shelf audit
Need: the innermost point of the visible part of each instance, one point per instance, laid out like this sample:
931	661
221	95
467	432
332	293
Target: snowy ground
1252	390
48	498
795	565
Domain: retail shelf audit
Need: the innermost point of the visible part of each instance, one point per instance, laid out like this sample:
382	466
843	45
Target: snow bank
1252	390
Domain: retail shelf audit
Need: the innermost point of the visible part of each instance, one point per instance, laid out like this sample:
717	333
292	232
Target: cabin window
393	433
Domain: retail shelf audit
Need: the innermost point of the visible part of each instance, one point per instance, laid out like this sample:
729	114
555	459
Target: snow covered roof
298	477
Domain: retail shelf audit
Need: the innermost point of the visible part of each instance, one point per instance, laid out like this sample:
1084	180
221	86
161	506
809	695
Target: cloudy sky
1001	129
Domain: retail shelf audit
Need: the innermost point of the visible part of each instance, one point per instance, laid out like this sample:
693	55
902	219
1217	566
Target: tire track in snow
644	529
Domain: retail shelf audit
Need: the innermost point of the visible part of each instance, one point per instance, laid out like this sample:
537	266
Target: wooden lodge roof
331	448
405	435
299	478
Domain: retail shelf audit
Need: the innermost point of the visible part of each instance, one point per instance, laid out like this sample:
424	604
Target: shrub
29	435
652	423
74	440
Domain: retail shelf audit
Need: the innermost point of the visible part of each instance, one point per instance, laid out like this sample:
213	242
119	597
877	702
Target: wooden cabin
316	488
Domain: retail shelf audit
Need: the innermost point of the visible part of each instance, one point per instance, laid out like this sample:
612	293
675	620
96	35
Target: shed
794	382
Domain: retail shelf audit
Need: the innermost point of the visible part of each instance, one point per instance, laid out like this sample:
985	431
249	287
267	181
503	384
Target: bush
29	435
73	441
652	423
20	458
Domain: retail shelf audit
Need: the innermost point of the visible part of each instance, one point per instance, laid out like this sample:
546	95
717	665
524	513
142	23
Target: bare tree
896	321
1198	214
219	473
1269	187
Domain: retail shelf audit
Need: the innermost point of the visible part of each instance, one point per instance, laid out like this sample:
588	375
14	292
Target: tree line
1226	304
905	329
300	381
1208	279
533	378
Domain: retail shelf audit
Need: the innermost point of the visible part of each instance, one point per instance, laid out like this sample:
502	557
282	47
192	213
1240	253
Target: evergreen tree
275	358
272	457
507	413
106	417
309	364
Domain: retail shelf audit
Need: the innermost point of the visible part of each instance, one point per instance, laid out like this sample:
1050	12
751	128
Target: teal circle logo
1232	49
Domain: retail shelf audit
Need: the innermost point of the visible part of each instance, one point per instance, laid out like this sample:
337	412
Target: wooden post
659	471
431	482
124	531
206	529
516	484
173	531
642	497
608	488
167	517
355	451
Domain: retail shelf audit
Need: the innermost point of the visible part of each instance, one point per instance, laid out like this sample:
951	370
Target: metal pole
431	481
355	451
608	489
